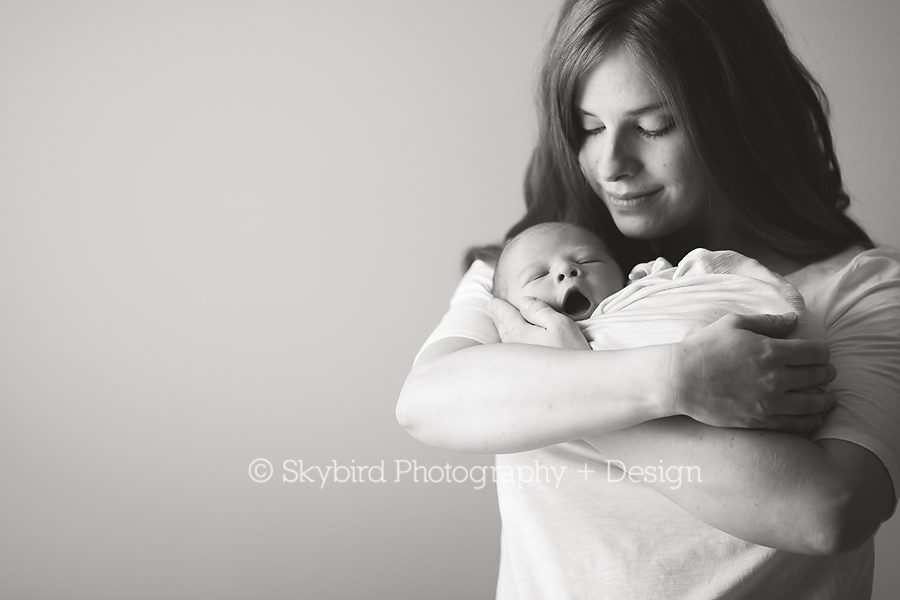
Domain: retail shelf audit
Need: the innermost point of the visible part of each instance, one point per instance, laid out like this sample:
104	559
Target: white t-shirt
593	536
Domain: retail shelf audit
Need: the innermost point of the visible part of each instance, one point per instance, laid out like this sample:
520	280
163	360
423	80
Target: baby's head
564	265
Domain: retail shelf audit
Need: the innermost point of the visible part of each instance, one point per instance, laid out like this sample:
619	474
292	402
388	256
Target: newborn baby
564	265
571	270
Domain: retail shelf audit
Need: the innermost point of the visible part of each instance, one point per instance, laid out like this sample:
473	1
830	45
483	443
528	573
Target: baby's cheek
542	292
614	283
517	297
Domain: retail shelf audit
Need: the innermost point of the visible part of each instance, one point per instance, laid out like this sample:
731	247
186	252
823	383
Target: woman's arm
501	398
791	493
769	488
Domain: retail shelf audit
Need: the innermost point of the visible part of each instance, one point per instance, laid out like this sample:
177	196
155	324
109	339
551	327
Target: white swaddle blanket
669	305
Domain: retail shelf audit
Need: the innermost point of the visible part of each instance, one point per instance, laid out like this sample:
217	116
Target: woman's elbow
843	527
407	407
432	414
417	411
852	500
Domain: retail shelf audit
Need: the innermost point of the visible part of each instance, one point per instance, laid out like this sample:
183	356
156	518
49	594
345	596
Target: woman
668	125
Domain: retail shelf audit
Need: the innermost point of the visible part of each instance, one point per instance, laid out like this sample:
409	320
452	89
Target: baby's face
566	267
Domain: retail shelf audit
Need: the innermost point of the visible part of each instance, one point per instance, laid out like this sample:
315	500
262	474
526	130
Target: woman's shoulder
855	255
858	261
835	284
477	280
480	270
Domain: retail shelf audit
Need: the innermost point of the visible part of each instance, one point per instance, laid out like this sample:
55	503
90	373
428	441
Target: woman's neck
725	235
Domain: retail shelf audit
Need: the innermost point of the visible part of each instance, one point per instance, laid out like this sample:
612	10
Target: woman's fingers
802	352
537	323
808	376
533	312
506	317
774	326
539	313
733	373
798	403
800	425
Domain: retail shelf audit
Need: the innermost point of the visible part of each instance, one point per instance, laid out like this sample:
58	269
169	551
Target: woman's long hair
755	121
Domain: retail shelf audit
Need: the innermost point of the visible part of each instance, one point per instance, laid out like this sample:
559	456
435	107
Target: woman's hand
536	324
736	373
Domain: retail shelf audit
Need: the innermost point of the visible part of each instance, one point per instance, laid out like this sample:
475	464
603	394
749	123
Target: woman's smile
631	200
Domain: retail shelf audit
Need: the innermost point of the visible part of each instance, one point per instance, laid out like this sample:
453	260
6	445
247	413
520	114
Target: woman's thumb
768	325
537	312
502	311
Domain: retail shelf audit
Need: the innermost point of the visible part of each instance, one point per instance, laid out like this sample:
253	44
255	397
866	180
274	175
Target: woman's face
634	154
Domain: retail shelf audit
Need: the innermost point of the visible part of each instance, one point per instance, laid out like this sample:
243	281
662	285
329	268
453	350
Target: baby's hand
642	270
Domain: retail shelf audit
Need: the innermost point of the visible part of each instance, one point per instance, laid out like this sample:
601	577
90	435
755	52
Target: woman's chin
636	228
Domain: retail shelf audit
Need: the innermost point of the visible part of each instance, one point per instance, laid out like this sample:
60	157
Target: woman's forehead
619	82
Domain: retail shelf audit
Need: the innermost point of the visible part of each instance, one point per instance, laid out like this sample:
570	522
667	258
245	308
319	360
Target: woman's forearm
769	488
503	398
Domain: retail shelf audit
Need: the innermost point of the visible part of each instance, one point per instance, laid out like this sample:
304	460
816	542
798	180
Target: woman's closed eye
655	132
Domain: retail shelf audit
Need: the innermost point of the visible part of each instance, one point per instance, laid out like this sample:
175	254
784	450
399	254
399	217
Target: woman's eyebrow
645	109
630	113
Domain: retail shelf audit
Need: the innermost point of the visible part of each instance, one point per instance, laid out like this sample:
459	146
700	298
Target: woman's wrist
677	393
653	378
670	387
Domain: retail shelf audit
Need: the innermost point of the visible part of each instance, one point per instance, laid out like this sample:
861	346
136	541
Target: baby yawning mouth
576	304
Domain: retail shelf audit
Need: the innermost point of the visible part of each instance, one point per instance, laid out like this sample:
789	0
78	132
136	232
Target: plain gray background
225	230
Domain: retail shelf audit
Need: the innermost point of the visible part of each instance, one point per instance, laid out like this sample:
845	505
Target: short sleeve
860	308
468	316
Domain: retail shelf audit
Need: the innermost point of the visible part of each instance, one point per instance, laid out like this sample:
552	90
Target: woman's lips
632	199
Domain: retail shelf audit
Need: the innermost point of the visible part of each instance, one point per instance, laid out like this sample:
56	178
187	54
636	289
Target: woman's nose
615	159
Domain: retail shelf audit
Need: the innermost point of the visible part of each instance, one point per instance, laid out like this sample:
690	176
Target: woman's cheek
587	172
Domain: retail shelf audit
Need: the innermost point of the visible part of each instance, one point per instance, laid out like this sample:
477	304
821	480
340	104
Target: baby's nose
568	271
